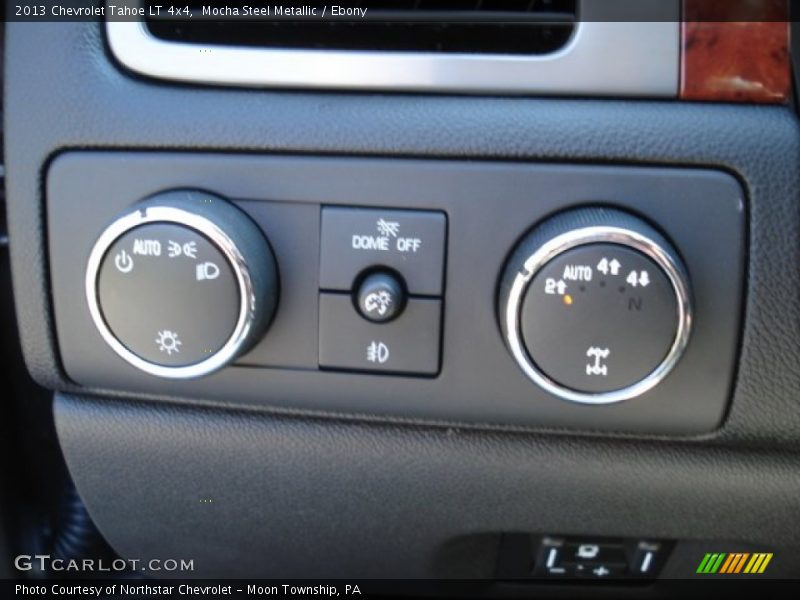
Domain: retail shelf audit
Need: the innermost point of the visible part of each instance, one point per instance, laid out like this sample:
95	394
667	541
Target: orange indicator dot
567	299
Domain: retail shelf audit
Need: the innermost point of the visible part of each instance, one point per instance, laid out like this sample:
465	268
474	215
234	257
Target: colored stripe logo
734	563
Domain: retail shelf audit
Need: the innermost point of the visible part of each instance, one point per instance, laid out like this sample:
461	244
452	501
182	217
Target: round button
182	285
175	302
380	297
594	306
599	330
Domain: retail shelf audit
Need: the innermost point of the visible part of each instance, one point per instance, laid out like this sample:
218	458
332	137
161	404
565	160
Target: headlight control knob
595	306
182	285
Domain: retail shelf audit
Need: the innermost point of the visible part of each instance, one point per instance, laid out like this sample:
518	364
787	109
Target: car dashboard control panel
382	280
530	295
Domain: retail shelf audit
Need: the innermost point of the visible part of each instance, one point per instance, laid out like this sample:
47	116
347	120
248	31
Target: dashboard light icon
206	270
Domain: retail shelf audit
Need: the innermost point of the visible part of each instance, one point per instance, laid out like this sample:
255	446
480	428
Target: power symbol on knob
123	262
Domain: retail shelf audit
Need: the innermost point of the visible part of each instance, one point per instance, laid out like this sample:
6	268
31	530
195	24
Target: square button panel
409	241
408	344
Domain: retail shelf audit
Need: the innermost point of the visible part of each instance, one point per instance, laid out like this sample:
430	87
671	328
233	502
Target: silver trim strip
247	299
602	58
580	237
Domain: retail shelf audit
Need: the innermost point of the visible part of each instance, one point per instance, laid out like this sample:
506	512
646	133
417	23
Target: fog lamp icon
377	352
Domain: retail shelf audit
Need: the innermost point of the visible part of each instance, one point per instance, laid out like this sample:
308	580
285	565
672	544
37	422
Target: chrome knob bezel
177	216
511	315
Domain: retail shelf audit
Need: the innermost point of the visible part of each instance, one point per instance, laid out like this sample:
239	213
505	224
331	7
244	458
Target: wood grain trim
735	61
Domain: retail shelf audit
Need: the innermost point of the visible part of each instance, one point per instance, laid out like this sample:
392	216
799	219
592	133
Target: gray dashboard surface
331	498
135	465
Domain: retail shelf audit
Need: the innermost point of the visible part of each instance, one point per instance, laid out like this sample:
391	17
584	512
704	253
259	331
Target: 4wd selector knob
181	285
595	306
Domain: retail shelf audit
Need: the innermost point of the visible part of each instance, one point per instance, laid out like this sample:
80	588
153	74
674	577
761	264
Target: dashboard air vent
532	27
